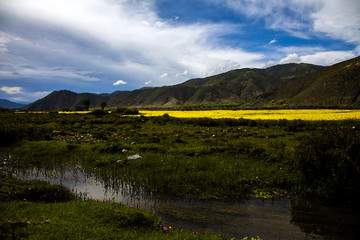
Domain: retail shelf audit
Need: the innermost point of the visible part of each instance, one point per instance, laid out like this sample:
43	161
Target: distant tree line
85	106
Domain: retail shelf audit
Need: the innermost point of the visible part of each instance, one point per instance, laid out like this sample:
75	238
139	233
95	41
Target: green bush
126	111
329	160
99	112
65	109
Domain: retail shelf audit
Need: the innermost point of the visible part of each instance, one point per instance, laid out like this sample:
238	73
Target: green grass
198	158
68	218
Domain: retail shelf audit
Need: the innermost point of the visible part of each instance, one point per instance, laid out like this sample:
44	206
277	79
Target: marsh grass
197	158
67	217
32	190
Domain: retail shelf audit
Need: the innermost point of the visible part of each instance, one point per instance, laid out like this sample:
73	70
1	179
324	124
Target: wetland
276	179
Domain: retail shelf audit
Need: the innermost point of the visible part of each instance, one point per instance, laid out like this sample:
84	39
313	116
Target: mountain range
289	85
10	105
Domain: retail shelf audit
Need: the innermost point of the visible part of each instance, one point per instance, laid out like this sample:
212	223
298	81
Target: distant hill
334	86
64	98
234	86
10	105
292	85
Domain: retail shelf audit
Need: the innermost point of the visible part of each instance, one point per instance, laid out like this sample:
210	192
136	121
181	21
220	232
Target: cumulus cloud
291	58
126	38
339	20
18	94
119	82
79	42
12	90
320	58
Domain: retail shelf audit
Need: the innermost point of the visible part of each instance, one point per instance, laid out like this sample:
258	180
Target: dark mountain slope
236	86
10	105
64	98
334	86
233	86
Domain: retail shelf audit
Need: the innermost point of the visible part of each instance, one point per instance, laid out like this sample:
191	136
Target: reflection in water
329	222
270	219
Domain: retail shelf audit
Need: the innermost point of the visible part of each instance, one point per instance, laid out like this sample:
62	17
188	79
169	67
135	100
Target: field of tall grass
193	156
36	210
196	157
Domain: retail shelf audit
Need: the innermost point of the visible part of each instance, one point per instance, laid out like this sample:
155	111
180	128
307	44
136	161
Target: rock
134	157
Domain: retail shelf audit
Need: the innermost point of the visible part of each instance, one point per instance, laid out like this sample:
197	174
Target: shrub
131	112
79	108
98	112
329	160
126	111
65	109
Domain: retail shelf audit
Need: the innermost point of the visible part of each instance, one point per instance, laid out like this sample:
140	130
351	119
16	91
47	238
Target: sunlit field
303	114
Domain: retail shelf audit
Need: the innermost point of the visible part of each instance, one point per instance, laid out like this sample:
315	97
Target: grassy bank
37	210
194	157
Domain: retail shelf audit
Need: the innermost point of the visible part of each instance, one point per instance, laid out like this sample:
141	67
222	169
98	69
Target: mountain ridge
336	85
285	85
10	105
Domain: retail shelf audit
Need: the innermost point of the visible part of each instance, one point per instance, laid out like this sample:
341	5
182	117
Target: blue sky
103	46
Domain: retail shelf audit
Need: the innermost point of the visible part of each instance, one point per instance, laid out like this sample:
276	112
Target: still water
280	218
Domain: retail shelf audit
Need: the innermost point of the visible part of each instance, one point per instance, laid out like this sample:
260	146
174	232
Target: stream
278	218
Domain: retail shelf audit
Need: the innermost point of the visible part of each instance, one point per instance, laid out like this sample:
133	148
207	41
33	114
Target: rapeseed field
288	114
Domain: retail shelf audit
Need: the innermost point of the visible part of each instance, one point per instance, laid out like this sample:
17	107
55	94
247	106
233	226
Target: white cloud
84	39
319	58
19	95
119	82
273	41
40	94
292	16
164	75
30	71
339	20
184	73
291	58
270	64
30	96
124	38
148	82
3	44
12	90
328	58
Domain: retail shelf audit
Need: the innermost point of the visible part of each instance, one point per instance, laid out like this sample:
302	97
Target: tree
103	105
86	104
65	109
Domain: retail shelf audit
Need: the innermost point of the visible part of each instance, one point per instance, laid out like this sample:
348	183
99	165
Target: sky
102	46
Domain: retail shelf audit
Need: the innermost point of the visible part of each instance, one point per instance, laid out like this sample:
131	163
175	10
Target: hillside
288	85
10	105
64	98
334	86
234	86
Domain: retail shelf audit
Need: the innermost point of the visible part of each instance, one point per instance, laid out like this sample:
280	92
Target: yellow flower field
303	114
